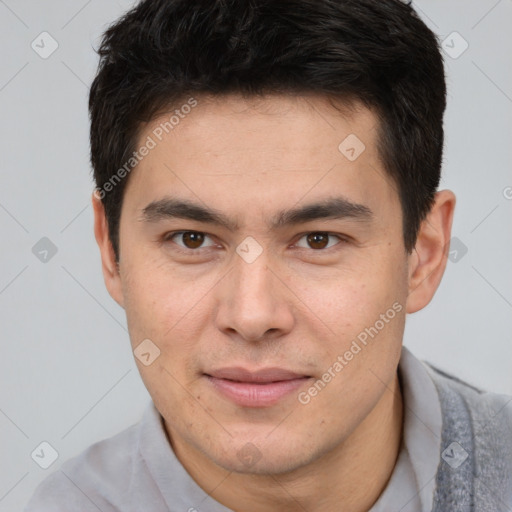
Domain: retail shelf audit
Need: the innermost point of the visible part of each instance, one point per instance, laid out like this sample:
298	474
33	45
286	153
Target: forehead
233	121
232	152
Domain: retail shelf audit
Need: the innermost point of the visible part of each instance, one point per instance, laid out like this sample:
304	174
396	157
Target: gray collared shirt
412	483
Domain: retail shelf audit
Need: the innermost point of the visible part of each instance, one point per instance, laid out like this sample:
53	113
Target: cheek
344	300
167	313
173	312
157	299
359	316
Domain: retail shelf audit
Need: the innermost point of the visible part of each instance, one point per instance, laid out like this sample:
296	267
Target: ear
427	262
108	260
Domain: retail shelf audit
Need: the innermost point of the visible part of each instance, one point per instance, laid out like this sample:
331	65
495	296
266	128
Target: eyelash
168	237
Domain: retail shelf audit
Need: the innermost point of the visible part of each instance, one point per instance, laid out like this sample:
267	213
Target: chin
264	458
277	465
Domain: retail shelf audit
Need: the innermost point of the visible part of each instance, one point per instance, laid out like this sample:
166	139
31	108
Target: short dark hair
375	52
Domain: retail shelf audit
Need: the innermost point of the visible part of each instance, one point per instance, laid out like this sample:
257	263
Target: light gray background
68	375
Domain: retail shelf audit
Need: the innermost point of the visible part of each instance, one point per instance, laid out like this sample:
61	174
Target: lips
260	388
265	375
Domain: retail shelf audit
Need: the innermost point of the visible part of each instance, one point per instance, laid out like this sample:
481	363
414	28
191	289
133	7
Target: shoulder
479	424
96	479
491	408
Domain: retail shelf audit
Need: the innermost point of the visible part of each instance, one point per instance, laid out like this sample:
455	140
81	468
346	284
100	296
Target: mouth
261	388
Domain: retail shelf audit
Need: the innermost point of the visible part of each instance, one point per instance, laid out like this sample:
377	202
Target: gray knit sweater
476	472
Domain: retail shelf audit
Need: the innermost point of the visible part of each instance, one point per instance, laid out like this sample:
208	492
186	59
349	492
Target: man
267	214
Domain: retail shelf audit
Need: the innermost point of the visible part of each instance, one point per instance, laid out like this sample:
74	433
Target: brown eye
192	239
318	240
189	242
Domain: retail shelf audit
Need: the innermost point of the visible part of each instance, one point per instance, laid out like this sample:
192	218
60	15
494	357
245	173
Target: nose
253	302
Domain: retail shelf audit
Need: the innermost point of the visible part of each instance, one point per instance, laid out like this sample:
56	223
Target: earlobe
427	262
108	260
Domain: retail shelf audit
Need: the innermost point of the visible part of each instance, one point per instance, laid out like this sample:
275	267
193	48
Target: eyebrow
332	208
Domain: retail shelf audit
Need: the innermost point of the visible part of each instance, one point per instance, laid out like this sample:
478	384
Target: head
266	197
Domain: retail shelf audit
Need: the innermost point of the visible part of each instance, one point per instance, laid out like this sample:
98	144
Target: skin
296	306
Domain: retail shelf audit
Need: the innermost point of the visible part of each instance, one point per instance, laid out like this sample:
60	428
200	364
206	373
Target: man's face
300	256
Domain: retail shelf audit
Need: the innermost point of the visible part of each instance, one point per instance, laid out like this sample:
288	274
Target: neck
351	477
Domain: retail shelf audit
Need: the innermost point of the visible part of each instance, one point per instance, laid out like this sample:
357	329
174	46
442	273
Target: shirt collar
412	483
